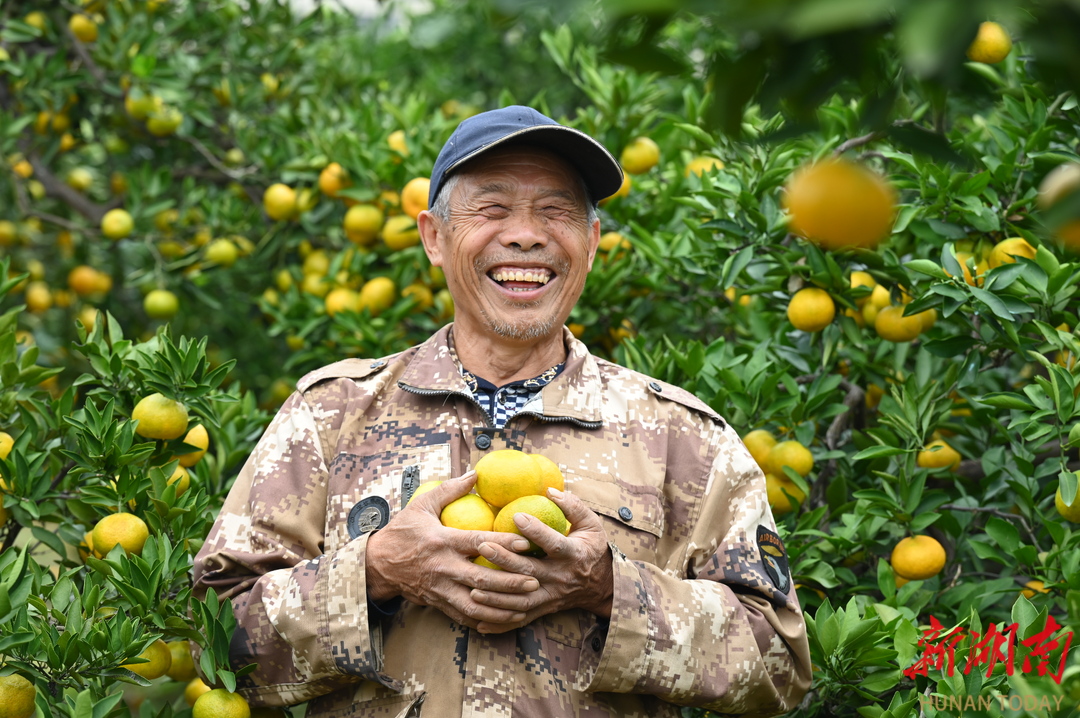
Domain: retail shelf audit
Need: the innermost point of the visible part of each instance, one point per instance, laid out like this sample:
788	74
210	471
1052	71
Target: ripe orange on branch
811	309
160	417
917	558
991	45
838	203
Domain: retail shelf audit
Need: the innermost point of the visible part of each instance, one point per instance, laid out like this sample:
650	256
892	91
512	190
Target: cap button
483	442
597	644
377	363
625	513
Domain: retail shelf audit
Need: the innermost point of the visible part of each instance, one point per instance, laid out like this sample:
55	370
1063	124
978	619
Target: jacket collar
574	394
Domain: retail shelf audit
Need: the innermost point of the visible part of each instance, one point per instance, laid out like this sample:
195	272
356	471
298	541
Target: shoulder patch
683	397
346	368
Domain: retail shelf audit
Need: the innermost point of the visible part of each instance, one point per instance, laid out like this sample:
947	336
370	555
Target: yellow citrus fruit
182	667
83	27
123	529
991	45
760	442
640	156
378	294
197	436
220	703
623	191
733	296
1061	182
481	561
421	294
182	475
396	142
918	558
551	477
613	240
222	252
414	197
811	309
164	121
1070	513
23	168
469	513
317	262
315	284
362	224
700	165
776	486
333	179
194	689
789	453
423	489
342	299
17	696
540	507
862	279
838	203
37	19
507	474
38	296
1007	250
279	201
9	232
945	457
400	232
161	304
891	325
1032	587
80	179
160	660
117	224
160	417
83	280
6	443
981	268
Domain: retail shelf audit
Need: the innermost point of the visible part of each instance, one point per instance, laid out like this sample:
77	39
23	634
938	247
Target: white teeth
540	276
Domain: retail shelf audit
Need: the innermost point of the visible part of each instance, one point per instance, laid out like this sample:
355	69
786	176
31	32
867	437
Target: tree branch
80	50
858	142
54	187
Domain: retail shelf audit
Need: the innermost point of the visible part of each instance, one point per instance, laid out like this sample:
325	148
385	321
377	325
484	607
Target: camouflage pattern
696	618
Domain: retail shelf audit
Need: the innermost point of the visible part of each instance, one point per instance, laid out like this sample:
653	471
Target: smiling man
672	588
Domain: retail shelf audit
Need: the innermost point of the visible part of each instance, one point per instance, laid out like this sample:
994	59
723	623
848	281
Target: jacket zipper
487	417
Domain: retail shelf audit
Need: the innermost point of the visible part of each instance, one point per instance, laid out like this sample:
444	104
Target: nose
525	231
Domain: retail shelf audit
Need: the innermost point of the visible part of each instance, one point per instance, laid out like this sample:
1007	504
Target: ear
430	229
594	241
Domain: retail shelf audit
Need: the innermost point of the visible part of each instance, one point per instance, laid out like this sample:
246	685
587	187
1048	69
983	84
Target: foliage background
764	86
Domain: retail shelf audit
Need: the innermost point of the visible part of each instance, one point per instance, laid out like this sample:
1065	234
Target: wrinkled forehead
521	168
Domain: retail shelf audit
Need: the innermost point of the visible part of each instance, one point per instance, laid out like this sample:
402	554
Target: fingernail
555	493
478	595
521	519
467	475
487	551
520	545
531	584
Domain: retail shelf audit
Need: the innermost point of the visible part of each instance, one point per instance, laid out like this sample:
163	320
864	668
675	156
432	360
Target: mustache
560	265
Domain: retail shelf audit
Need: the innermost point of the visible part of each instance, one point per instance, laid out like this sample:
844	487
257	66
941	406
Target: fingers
551	541
433	501
576	512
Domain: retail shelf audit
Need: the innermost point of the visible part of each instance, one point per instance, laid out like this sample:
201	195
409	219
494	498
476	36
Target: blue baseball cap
517	124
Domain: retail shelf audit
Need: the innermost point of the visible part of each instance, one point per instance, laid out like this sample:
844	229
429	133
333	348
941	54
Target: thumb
577	513
436	499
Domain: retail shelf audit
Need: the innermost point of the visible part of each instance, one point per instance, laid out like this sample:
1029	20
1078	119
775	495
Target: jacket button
483	441
377	363
597	644
656	387
625	513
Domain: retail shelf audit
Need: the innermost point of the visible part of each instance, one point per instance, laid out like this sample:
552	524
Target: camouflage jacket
704	612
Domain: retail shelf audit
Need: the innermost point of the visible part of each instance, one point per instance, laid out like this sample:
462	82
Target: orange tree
914	411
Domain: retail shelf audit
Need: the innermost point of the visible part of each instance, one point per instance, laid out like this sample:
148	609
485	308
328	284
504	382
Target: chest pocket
633	516
355	478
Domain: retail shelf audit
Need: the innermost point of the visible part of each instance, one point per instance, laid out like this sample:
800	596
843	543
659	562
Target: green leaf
1004	533
927	267
1005	400
877	452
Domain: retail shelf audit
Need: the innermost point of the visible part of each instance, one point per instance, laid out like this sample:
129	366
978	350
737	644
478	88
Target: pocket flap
639	507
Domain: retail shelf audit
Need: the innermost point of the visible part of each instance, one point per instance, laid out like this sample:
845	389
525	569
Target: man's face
518	244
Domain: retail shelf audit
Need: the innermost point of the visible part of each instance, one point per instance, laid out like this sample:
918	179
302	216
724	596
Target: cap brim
601	172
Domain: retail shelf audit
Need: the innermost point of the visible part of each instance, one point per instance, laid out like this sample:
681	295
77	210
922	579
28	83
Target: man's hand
576	573
416	557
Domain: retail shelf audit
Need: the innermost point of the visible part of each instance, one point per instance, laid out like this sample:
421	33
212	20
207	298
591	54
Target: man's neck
502	361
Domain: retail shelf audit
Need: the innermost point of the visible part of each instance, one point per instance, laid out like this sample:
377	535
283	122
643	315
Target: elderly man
672	587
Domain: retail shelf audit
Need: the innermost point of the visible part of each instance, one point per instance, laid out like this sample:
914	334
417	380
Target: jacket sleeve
302	615
721	628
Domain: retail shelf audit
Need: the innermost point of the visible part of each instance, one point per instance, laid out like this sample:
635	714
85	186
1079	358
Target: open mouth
521	279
